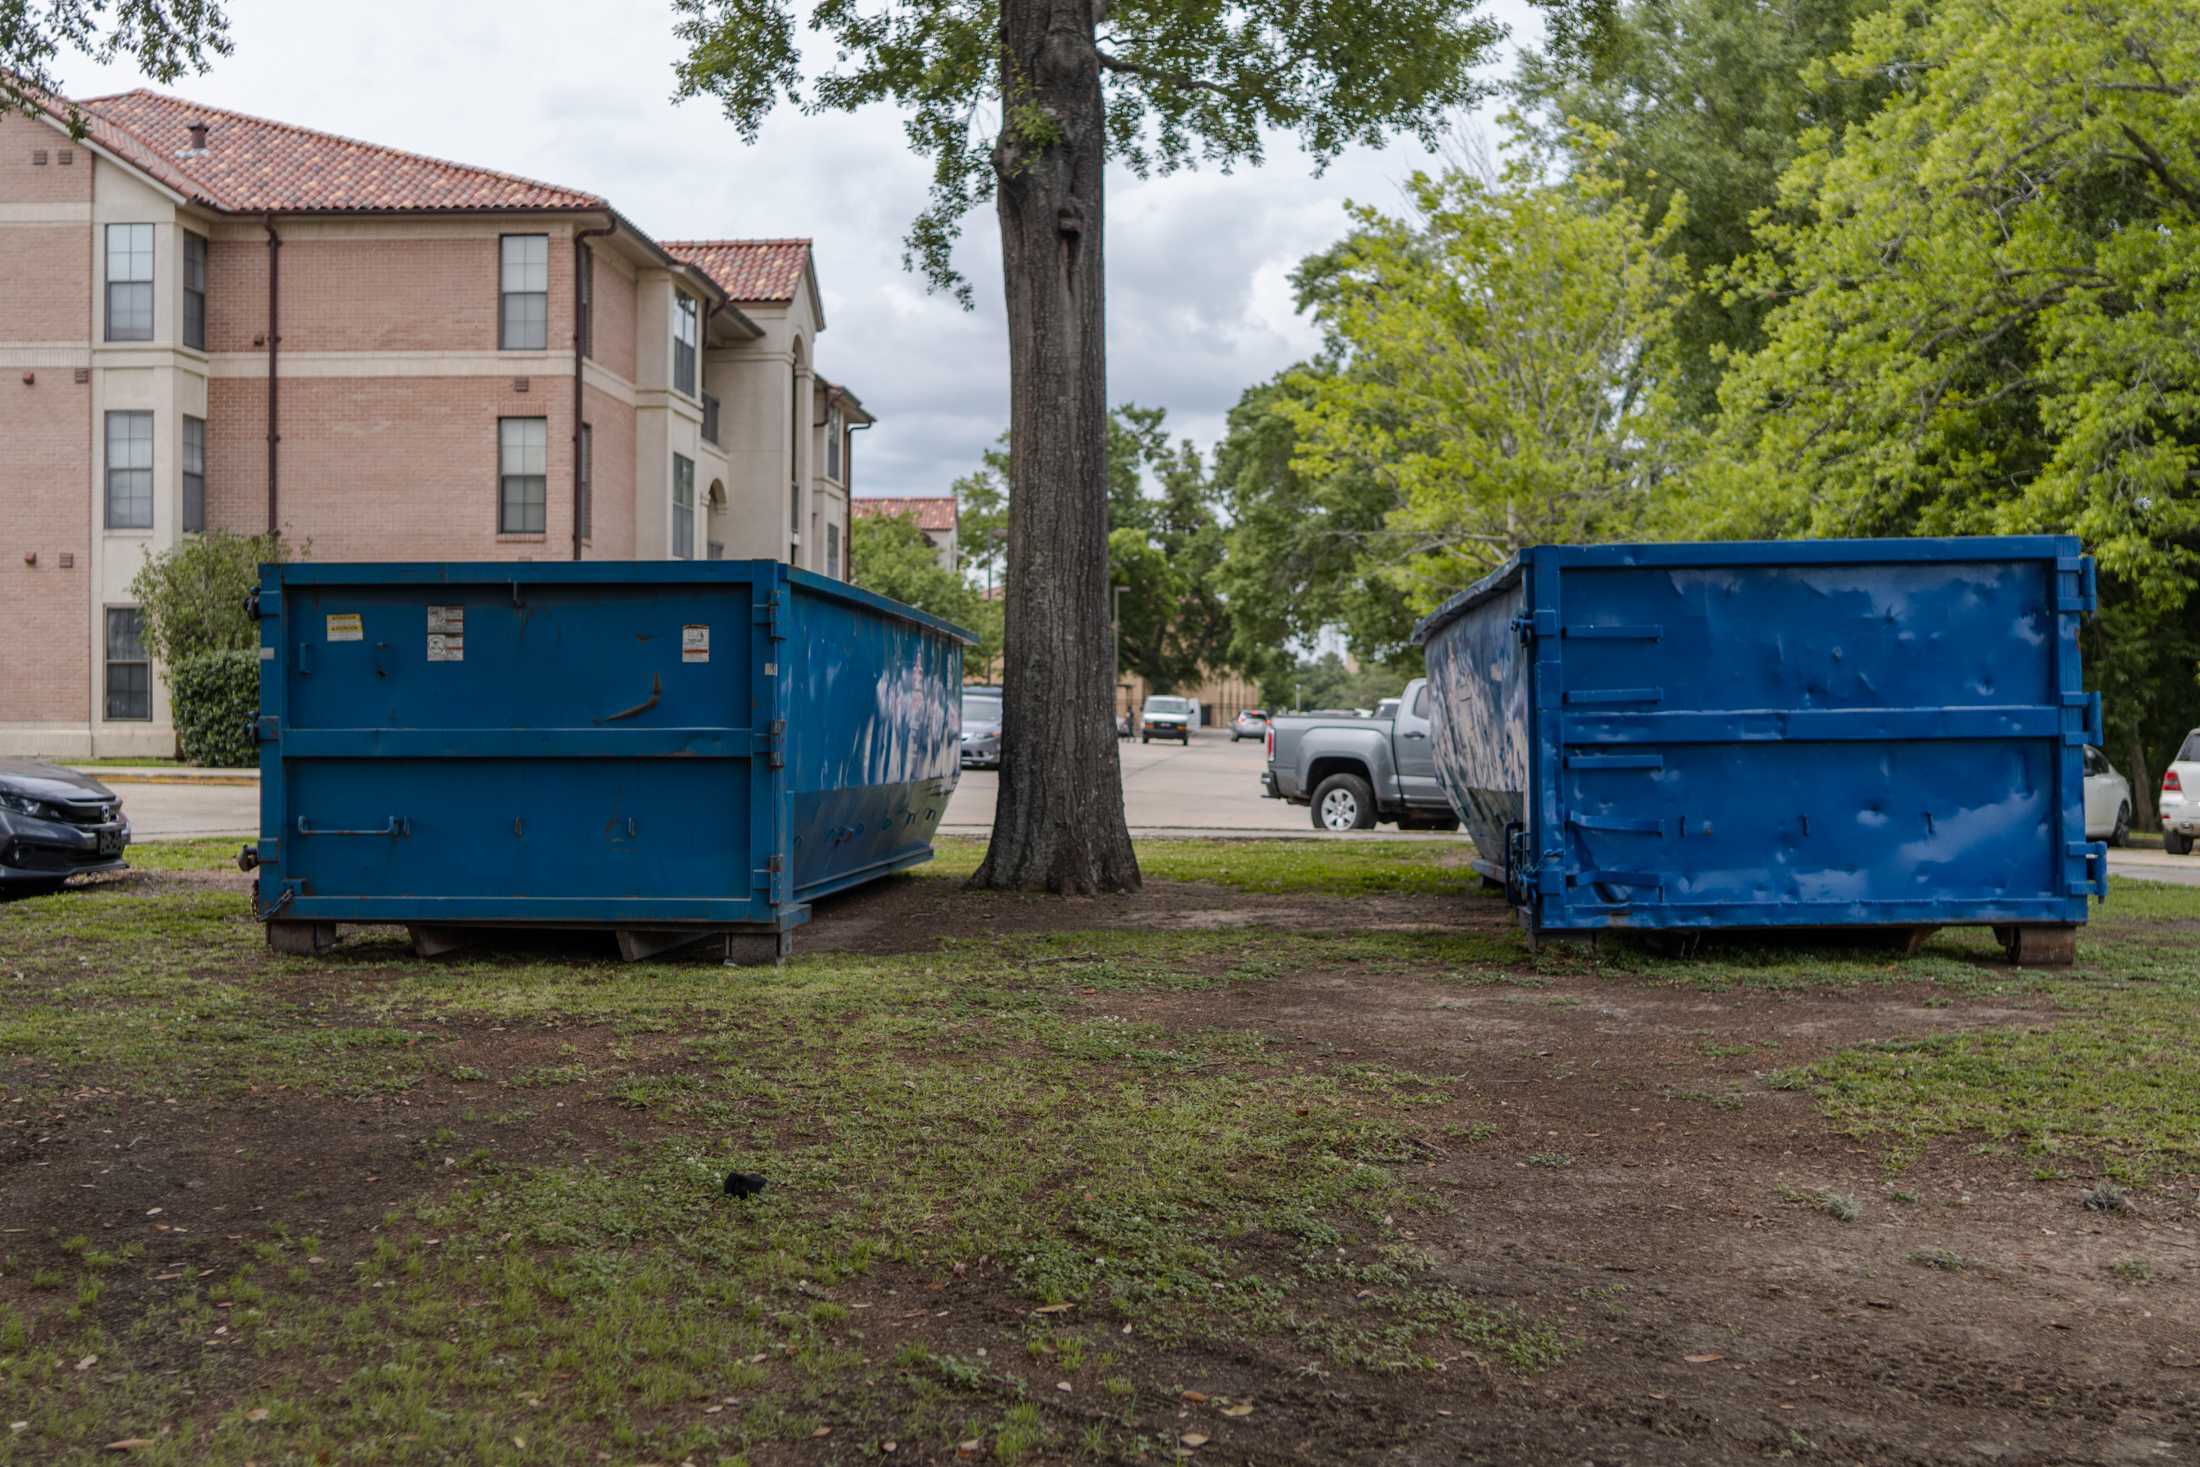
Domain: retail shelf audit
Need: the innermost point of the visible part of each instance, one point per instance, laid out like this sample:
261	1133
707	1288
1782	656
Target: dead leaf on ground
1242	1408
1705	1358
1194	1438
130	1444
257	1413
1197	1398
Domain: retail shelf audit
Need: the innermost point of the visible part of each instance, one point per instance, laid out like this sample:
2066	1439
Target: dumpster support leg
759	949
301	939
433	941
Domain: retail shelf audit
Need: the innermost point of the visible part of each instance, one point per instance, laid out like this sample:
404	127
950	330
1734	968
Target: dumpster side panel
1479	674
875	734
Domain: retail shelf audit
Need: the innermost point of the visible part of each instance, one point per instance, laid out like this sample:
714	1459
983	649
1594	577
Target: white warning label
446	634
344	626
695	644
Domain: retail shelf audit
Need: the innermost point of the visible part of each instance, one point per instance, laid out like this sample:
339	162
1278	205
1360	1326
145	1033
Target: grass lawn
1298	1156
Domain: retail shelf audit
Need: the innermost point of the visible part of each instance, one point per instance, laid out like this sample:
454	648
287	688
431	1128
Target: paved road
1210	788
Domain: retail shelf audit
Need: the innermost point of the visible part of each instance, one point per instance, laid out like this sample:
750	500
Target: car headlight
25	805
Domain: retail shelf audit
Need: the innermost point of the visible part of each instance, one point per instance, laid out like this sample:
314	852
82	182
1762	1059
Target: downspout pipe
848	483
274	390
581	350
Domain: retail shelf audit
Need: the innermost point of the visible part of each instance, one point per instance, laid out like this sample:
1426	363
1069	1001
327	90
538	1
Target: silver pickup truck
1353	772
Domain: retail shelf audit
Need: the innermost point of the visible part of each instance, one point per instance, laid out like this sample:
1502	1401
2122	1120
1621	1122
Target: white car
2107	800
2181	798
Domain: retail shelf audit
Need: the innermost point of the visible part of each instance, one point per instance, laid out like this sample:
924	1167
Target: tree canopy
165	38
1186	81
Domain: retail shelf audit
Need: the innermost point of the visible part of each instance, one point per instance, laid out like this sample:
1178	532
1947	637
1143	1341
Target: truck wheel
2175	844
1344	802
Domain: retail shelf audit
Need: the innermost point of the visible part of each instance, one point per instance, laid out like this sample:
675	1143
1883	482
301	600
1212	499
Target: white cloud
1199	298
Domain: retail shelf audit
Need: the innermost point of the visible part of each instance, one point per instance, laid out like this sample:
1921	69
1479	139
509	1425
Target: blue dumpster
673	751
1835	733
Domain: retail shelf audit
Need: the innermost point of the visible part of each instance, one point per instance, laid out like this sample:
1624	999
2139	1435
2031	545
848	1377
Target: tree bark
1058	824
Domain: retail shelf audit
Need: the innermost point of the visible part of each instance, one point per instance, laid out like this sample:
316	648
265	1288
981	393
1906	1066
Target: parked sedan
1251	723
56	823
2107	800
2181	798
981	732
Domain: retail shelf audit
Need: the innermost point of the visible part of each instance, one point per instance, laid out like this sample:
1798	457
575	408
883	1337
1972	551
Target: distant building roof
748	269
934	513
252	165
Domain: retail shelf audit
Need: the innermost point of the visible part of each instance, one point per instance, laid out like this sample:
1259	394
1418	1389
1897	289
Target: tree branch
1177	79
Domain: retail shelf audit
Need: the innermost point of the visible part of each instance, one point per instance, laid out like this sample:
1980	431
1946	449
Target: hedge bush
213	695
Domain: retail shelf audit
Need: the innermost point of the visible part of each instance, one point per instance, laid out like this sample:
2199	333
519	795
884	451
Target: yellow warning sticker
343	626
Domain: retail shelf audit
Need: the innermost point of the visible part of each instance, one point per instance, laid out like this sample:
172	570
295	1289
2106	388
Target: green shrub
193	595
213	695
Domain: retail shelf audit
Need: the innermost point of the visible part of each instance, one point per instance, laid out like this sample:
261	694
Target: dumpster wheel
2036	946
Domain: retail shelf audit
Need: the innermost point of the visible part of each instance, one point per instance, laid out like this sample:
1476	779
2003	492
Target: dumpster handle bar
398	825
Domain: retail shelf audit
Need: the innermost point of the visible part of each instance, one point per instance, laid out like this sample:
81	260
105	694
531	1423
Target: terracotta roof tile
747	269
252	164
934	513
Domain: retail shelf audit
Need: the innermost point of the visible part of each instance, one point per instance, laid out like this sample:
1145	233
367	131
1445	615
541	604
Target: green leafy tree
1707	100
1504	363
1981	310
166	38
1165	550
1023	103
1304	548
1328	682
981	509
899	562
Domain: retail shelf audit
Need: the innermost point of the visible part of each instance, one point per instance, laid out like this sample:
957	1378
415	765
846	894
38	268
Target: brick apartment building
210	321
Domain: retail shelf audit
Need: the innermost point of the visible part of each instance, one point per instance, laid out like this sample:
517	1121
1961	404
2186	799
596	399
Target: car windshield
2190	754
979	711
1167	705
1254	713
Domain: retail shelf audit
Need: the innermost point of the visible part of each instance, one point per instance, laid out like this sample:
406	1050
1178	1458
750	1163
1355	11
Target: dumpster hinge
772	743
2087	598
262	729
767	617
765	878
1531	625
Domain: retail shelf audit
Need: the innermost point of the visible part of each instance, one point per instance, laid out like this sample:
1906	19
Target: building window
194	475
833	431
525	323
584	330
129	674
194	291
683	508
686	320
832	551
129	471
523	474
129	282
710	419
587	507
717	550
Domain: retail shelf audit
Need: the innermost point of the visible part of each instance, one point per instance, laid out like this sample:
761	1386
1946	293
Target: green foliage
1505	364
1185	81
1165	551
164	38
193	595
1297	563
214	696
1983	316
1326	682
1705	99
897	561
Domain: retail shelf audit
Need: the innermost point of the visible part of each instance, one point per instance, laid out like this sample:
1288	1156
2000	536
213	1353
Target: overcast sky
1199	304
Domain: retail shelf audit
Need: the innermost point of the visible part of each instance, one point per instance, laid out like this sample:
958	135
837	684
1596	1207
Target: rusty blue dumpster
1835	733
686	754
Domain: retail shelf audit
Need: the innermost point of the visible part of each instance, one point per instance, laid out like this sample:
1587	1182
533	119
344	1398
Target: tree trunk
1058	824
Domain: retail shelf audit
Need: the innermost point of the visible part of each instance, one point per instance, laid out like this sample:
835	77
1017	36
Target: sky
1199	263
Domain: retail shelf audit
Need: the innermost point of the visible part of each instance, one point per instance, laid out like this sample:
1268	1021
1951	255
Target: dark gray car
56	823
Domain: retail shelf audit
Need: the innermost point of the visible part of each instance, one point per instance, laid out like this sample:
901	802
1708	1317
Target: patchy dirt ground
1606	1153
